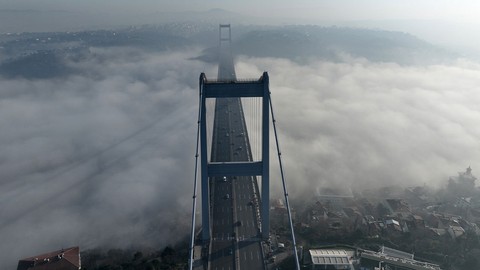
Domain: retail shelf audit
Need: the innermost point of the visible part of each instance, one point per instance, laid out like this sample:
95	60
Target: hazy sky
455	11
458	11
454	24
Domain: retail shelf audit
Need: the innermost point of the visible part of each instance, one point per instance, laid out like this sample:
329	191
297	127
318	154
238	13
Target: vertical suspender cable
251	131
194	198
284	186
249	128
255	109
257	129
254	131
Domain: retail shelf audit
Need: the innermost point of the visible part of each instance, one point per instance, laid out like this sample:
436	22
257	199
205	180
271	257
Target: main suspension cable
194	198
284	184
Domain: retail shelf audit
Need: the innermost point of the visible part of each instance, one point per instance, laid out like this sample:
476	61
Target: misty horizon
107	140
451	31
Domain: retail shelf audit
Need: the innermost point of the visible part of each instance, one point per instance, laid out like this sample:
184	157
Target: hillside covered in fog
46	55
98	127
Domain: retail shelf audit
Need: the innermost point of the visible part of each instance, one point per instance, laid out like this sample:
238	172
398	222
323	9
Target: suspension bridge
233	157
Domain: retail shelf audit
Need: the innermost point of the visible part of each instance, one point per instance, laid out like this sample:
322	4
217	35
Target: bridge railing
248	80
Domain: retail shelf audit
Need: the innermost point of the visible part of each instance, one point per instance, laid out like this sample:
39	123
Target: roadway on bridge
235	226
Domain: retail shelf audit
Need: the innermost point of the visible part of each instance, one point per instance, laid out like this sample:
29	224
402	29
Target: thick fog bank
363	124
102	158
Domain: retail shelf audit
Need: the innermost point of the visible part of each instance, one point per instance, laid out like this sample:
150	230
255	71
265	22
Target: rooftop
50	260
329	256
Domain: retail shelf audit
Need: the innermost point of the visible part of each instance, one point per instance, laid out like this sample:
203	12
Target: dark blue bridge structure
235	211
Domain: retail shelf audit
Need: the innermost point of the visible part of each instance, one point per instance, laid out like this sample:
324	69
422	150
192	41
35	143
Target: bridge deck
235	227
235	241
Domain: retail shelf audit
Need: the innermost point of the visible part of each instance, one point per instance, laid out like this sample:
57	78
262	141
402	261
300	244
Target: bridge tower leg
227	86
265	208
221	36
204	163
239	89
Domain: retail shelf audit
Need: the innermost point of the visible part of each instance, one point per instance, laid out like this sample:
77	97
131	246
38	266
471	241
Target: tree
168	256
137	256
382	210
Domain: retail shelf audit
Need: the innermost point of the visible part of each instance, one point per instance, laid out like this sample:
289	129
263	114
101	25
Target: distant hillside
42	55
300	43
38	65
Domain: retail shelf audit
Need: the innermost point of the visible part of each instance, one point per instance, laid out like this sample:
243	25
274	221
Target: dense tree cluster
117	259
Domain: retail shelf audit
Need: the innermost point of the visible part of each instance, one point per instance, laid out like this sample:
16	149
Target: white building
330	259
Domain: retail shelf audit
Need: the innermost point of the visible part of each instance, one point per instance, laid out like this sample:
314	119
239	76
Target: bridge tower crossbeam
235	89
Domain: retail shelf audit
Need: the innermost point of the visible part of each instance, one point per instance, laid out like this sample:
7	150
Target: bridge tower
227	86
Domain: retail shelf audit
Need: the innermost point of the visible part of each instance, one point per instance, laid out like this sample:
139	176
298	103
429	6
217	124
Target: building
63	259
329	259
389	258
396	253
455	231
462	185
279	213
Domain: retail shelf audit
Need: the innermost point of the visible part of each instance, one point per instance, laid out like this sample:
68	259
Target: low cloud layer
361	124
103	158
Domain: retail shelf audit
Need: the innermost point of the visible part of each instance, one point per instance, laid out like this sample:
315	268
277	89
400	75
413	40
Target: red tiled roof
70	255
